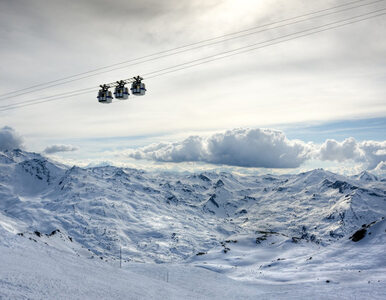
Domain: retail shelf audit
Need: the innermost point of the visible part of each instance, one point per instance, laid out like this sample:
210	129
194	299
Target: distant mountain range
164	217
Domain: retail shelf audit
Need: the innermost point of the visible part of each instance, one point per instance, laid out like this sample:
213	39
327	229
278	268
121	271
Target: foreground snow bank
33	270
37	271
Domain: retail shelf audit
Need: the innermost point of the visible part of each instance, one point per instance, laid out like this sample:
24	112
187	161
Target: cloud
263	148
335	151
369	153
374	152
239	147
9	139
59	148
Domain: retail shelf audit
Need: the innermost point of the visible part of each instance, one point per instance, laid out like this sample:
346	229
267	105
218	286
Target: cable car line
15	106
104	96
229	53
264	46
52	96
125	66
48	97
57	82
274	39
210	44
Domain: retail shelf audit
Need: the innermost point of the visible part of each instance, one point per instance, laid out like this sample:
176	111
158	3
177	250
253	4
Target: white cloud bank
10	139
59	148
239	147
369	153
265	148
258	148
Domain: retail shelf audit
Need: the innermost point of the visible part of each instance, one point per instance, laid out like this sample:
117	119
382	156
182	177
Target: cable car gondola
137	87
104	95
121	92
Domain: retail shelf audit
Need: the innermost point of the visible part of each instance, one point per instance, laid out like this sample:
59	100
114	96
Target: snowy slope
279	222
33	270
275	258
43	272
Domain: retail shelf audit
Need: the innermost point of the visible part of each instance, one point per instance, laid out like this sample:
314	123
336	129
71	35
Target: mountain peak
366	176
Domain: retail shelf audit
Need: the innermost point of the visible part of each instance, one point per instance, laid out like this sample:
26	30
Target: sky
315	101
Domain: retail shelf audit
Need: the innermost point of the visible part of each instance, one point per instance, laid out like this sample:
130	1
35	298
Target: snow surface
197	236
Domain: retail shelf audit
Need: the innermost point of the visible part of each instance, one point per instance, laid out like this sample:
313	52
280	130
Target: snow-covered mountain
365	176
242	226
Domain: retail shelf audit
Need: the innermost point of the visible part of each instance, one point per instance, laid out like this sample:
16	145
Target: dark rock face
172	198
37	168
358	235
241	212
204	178
342	186
53	232
219	183
211	199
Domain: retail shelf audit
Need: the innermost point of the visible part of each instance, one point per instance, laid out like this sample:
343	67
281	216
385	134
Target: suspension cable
57	82
219	56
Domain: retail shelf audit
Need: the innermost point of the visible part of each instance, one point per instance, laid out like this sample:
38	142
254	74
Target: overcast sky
329	86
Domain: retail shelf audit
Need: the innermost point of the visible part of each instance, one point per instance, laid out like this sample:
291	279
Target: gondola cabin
104	95
121	92
137	87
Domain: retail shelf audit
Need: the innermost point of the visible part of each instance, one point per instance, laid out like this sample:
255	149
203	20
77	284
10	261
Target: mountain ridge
163	217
